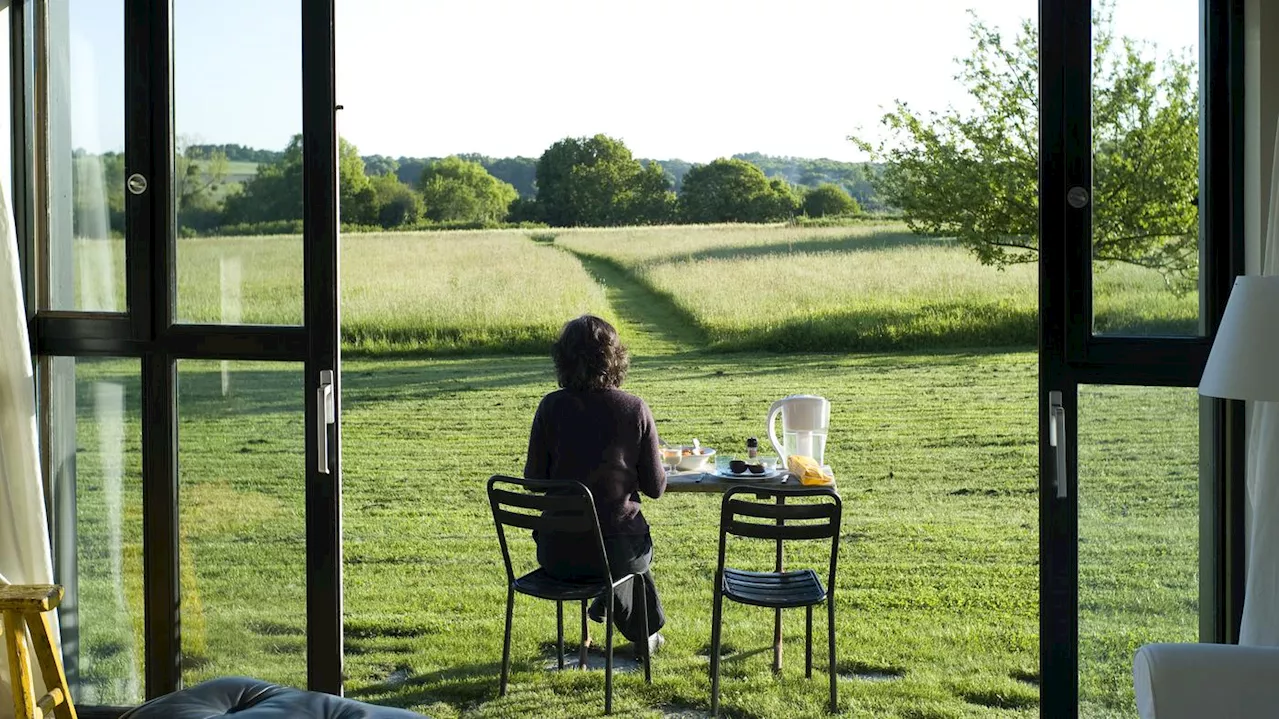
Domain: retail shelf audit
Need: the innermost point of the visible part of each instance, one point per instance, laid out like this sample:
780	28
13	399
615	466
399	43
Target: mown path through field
650	324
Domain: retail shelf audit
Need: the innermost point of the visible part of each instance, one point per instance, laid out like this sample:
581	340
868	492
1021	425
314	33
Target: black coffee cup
737	466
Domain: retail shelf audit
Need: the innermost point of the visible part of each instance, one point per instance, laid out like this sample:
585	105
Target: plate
724	473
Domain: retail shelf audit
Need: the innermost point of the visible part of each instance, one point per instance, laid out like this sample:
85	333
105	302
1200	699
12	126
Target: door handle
1058	440
326	415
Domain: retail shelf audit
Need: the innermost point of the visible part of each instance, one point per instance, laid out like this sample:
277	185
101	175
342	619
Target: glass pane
86	146
1139	538
1146	114
238	168
6	108
241	528
96	472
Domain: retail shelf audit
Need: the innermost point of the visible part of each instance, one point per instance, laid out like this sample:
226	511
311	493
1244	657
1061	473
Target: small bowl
697	462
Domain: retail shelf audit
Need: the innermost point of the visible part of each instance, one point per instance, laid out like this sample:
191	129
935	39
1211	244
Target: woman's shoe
656	642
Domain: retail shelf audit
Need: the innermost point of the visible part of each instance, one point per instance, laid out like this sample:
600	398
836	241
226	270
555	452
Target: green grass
867	288
405	292
872	287
935	455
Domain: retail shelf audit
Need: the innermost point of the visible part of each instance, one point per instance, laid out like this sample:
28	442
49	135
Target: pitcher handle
773	436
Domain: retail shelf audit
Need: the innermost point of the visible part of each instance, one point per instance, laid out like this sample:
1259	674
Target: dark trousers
567	557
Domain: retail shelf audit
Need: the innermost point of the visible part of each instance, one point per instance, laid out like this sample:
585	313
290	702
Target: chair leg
777	613
506	643
559	635
715	651
831	648
15	638
608	655
50	664
808	642
582	645
638	599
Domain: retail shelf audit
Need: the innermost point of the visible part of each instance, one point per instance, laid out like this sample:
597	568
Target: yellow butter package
807	469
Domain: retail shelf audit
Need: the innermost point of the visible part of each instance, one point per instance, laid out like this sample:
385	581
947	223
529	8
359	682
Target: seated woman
592	432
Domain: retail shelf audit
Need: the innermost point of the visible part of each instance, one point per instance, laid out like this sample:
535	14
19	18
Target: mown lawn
935	454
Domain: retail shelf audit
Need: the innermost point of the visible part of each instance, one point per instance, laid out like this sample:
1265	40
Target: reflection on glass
97	476
1145	215
238	167
86	155
241	528
1139	518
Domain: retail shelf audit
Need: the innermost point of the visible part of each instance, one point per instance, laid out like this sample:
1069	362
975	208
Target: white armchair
1203	681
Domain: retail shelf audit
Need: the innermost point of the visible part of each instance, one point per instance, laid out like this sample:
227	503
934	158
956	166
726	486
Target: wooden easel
26	606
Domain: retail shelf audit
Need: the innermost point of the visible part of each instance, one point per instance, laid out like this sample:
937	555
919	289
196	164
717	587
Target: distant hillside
239	153
854	177
520	172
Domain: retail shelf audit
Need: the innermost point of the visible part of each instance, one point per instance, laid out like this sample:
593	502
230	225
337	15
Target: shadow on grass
931	326
868	671
460	685
1014	696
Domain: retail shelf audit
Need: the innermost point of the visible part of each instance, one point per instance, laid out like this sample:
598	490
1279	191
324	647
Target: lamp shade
1244	361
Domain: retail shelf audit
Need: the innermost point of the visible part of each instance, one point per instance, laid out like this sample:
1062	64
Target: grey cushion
253	699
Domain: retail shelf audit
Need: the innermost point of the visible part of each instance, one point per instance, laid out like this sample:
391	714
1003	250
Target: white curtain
24	529
1258	626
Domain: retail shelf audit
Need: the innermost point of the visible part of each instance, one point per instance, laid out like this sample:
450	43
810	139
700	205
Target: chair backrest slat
516	519
541	502
789	521
785	531
562	506
824	510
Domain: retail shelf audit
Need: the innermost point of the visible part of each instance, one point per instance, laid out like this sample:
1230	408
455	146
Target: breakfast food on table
807	469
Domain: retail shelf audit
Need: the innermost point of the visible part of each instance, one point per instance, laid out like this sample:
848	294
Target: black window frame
148	330
1071	355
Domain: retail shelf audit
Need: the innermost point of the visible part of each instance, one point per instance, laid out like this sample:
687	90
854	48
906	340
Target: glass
1145	204
671	457
95	469
86	156
6	109
238	164
241	520
1139	507
807	443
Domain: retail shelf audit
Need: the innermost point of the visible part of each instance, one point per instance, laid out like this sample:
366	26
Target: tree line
583	181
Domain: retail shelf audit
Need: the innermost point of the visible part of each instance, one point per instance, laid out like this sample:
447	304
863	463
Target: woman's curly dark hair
589	356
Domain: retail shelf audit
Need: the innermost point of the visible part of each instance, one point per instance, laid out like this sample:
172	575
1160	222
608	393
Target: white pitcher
805	419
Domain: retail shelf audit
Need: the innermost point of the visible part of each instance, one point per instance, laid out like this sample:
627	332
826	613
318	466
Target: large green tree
730	190
828	200
456	190
971	173
596	181
275	191
200	173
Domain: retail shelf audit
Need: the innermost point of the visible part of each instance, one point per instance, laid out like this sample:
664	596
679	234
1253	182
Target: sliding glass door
189	384
1139	517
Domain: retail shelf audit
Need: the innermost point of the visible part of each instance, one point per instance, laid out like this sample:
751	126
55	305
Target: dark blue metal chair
549	506
778	590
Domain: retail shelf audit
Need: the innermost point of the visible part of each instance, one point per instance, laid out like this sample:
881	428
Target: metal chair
778	590
562	507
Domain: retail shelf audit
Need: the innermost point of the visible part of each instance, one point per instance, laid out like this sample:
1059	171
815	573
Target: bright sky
693	79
